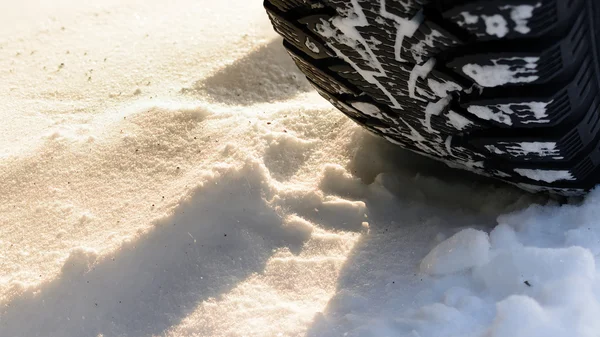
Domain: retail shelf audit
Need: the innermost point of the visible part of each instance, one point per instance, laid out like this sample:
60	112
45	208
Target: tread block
540	107
512	19
519	62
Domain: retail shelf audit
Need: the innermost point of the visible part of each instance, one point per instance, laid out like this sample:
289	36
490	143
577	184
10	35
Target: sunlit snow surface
167	172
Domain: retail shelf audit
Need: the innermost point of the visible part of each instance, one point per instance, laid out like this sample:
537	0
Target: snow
469	18
528	112
522	149
418	49
457	121
442	89
350	36
548	176
520	15
404	27
311	46
495	25
435	109
176	176
499	73
419	71
541	149
368	109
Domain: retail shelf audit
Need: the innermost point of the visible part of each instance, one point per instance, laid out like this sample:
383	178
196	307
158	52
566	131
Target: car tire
505	88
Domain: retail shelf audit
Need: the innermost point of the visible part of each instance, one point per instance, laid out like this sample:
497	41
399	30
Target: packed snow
166	171
500	73
548	176
497	25
526	112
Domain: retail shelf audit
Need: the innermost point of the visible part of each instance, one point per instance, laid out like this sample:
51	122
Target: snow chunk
442	89
470	19
311	46
435	108
368	109
458	121
466	249
495	25
419	71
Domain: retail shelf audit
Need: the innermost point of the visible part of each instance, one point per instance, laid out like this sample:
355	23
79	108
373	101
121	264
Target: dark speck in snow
527	283
268	123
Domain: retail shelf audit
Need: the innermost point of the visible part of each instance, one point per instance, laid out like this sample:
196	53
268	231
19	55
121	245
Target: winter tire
505	88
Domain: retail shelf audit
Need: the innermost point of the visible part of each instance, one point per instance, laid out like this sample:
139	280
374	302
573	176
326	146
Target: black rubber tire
505	88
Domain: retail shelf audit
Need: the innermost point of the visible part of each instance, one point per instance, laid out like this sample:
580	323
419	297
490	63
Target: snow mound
519	281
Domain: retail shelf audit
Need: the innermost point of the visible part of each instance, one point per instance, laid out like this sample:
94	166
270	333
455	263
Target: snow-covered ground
166	171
